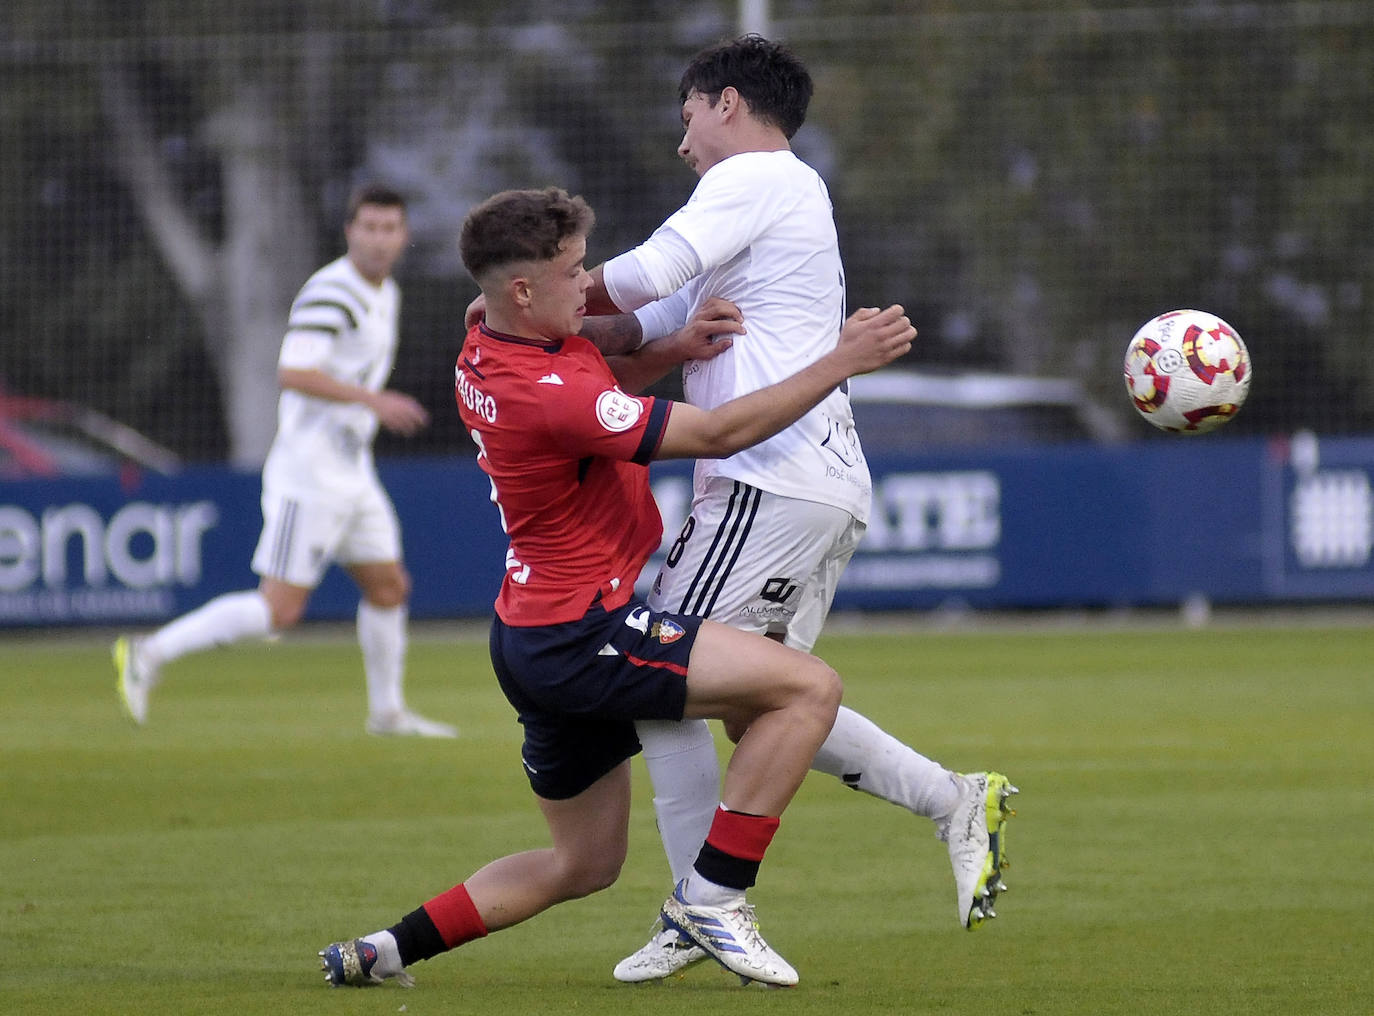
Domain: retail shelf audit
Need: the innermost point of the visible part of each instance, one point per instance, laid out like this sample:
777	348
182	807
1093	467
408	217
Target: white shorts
302	537
757	561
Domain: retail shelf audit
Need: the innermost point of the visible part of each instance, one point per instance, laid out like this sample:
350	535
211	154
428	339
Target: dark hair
766	74
373	194
521	225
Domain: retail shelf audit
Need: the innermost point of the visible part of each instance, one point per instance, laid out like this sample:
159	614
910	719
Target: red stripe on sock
455	917
741	835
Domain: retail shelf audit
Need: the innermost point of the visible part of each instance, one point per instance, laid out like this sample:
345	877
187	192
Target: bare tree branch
189	254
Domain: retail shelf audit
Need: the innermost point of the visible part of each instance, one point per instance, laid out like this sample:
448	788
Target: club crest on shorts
667	632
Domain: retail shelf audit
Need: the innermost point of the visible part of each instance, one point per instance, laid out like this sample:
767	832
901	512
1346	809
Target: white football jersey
346	327
762	225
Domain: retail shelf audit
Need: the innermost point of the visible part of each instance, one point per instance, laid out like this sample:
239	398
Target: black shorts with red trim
579	686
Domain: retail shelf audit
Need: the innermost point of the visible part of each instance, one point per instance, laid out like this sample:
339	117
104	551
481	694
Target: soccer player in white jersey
321	499
771	528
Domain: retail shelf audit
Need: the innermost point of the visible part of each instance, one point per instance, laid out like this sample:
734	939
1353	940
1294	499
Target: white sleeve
735	202
658	267
305	350
663	317
322	311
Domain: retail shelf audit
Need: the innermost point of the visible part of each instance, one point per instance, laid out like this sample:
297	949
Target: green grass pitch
1194	834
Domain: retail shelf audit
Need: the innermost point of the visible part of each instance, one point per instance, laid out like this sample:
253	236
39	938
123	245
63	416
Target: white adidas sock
685	772
868	758
382	636
225	619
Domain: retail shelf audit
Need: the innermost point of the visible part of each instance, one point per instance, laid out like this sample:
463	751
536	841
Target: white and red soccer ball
1187	371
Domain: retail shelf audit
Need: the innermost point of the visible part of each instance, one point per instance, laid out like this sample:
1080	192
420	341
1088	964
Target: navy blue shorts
578	687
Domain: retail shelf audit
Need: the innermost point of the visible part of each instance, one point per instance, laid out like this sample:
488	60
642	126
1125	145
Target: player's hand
476	312
399	413
872	338
709	333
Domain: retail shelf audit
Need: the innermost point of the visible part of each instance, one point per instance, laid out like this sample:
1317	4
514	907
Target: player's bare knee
285	613
383	586
393	592
734	730
824	689
593	872
386	600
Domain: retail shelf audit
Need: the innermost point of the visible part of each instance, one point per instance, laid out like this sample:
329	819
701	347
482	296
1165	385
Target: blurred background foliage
1032	179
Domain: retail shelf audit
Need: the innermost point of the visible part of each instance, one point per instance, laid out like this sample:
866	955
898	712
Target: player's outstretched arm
708	334
395	411
870	339
613	334
598	299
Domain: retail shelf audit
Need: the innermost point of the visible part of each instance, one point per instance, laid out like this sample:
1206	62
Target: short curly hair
521	225
769	76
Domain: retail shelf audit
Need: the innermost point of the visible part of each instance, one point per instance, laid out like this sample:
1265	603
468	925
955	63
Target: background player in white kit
321	499
772	527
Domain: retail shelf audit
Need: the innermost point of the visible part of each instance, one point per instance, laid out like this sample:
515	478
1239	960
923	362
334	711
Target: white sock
388	954
685	772
868	758
225	619
382	636
702	892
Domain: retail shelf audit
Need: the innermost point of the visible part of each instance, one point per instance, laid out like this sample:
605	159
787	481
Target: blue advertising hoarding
1238	521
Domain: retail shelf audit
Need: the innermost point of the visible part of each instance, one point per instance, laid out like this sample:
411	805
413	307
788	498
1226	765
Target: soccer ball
1187	371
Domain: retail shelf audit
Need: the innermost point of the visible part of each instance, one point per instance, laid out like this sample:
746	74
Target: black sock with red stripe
734	848
444	923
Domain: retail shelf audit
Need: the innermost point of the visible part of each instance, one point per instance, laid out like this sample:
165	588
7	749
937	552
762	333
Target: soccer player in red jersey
567	447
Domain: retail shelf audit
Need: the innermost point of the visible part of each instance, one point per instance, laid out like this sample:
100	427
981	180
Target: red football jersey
567	452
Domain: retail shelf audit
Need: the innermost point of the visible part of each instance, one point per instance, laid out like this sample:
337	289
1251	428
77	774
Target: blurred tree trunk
241	286
268	249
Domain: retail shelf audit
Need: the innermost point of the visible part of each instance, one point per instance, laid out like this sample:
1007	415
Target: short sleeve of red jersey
589	415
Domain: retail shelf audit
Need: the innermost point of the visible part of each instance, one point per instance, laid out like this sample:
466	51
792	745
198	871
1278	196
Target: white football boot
976	835
662	956
731	936
404	723
135	677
